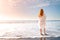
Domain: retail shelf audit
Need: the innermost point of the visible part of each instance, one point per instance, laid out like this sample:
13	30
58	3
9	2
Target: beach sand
42	38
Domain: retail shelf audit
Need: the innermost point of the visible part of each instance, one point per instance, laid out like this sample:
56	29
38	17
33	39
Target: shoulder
44	15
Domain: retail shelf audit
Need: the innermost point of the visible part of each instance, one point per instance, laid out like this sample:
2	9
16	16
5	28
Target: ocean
29	28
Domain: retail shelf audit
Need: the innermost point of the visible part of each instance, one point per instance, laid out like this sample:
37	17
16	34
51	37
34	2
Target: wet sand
42	38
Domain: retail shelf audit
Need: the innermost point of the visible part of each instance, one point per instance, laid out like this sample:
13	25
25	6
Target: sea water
29	28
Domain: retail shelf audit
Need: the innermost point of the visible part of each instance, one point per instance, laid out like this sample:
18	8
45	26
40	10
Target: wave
28	30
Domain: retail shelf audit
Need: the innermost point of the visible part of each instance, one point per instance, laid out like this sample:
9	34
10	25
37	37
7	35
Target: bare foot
46	34
42	34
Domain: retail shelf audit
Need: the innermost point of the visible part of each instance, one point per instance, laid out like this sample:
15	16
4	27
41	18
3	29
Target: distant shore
23	21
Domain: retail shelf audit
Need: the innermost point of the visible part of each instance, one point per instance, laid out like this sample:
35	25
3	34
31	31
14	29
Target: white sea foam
27	30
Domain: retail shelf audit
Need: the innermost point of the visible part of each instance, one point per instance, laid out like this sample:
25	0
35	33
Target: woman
42	18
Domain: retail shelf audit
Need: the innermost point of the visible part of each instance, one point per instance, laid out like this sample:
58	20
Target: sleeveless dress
42	21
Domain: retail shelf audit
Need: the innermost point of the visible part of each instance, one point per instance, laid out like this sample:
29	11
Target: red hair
41	13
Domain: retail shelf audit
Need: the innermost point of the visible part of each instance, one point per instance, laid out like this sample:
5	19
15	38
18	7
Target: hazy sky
29	9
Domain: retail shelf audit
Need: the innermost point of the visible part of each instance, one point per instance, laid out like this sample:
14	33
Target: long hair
41	13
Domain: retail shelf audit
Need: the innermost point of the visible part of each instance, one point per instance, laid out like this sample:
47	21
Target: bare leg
45	30
41	31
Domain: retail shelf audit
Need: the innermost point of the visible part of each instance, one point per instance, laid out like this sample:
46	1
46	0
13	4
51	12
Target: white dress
42	21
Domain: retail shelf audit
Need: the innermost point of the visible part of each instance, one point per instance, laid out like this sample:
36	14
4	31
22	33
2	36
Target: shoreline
45	38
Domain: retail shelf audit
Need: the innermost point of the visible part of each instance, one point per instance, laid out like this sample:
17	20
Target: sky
29	9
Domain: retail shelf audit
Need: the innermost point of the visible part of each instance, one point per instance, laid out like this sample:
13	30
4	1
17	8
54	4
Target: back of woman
42	18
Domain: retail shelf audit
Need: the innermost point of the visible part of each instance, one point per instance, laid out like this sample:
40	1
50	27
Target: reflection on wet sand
43	38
